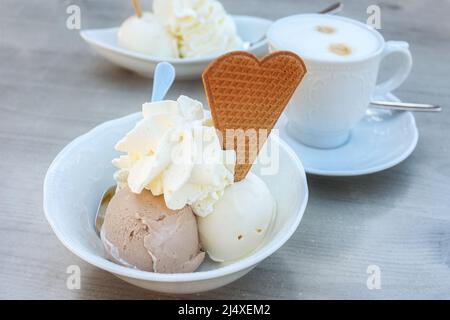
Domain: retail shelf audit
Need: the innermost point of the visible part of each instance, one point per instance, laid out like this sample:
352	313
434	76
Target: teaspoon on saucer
406	106
162	81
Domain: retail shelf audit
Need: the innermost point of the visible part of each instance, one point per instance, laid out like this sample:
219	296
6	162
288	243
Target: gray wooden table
53	88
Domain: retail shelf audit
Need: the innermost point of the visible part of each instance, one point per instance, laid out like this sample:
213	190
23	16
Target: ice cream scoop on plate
147	35
141	232
240	220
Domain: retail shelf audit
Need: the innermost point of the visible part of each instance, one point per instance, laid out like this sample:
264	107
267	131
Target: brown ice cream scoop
140	231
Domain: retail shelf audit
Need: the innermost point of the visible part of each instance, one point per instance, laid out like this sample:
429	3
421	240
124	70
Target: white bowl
82	171
104	41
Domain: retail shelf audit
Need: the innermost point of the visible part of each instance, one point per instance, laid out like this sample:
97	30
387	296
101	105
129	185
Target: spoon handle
162	80
406	106
334	8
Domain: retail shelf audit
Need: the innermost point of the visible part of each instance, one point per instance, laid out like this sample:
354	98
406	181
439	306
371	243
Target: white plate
82	171
382	139
104	41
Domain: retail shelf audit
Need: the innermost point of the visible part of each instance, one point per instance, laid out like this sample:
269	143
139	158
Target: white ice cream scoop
146	34
239	221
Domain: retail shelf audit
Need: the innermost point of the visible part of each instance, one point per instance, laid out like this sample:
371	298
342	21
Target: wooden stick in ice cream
137	7
248	95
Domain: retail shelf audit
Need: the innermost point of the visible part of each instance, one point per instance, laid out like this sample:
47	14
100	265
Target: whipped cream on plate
201	27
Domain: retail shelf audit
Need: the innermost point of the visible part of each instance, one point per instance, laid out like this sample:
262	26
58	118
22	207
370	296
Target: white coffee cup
342	58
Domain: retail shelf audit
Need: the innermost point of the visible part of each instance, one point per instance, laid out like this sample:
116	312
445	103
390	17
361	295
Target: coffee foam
323	38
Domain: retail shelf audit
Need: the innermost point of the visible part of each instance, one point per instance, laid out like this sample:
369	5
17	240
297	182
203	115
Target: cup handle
403	69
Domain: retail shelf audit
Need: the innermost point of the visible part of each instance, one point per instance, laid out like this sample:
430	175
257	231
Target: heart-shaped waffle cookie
247	96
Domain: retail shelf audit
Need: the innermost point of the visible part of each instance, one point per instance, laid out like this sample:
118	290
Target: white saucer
104	42
382	139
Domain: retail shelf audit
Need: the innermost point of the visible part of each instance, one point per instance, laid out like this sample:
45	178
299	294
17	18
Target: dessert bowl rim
103	263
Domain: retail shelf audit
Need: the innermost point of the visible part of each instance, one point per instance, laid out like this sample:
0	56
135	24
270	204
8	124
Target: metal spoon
334	8
406	106
162	81
101	210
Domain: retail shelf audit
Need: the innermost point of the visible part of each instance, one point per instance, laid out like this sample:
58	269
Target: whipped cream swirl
201	27
175	151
